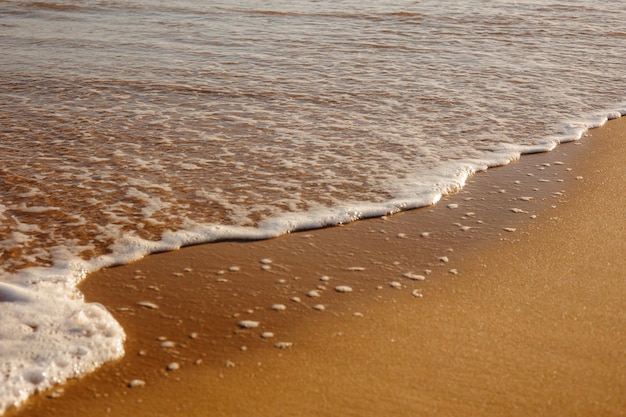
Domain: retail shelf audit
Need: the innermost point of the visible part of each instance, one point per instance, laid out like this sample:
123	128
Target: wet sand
505	299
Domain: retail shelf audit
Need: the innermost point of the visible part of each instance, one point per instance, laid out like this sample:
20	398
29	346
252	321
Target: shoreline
518	315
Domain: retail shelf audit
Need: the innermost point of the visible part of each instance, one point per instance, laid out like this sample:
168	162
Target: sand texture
505	299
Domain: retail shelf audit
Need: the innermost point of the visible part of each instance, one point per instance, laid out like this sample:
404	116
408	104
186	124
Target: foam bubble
248	324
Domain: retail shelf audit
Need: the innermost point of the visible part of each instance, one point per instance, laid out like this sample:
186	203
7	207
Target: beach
504	299
319	208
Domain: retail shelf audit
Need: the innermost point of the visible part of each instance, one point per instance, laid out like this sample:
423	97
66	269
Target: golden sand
521	311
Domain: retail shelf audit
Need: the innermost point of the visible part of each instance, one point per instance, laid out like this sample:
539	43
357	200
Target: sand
505	299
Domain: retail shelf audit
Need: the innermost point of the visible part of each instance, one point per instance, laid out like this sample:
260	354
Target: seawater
131	127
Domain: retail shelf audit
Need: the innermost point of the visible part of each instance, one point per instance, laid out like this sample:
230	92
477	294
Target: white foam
248	324
48	337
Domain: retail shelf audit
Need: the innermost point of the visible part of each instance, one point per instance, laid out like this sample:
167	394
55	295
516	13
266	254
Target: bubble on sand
357	314
313	294
174	366
283	345
57	393
395	284
248	324
443	259
295	299
168	344
148	304
509	229
319	307
266	261
266	267
454	271
526	198
425	234
234	268
452	206
517	210
325	278
193	335
279	307
188	270
343	288
355	268
465	228
401	235
136	383
579	177
267	335
415	277
417	293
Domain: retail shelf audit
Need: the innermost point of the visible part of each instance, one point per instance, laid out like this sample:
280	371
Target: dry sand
505	299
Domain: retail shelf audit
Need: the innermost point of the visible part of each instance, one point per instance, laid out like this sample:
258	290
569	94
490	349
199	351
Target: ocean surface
130	127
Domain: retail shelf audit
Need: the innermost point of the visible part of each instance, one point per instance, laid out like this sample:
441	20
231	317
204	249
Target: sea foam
49	336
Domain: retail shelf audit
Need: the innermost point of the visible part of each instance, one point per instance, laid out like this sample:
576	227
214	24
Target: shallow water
138	126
